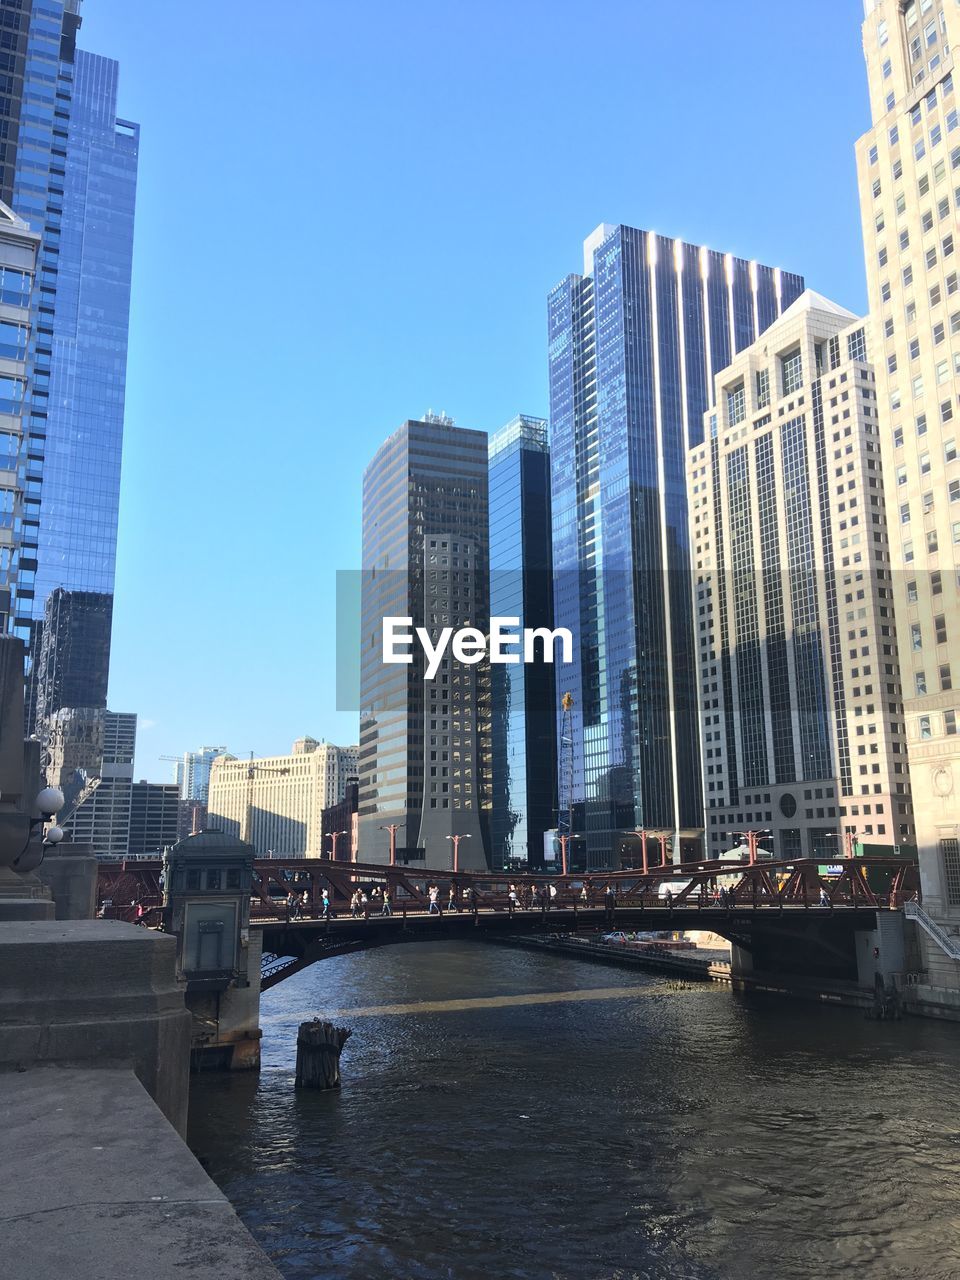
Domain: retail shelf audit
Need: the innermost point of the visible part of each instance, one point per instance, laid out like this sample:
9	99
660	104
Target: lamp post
564	841
851	837
662	839
393	828
642	833
752	838
334	836
456	848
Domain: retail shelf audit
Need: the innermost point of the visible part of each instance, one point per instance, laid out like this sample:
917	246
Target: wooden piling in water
319	1045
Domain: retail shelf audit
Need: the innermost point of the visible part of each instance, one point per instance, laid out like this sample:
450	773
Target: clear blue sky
351	213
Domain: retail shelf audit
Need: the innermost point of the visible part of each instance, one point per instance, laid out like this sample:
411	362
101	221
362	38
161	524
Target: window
892	363
876	189
904	239
904	512
763	388
953	489
882	257
947	246
898	437
915	114
886	68
950	722
946	679
891	101
949	450
924	464
736	404
936	136
856	346
914	348
946	411
921	421
919	149
883	33
939	333
926	221
950	853
931	541
792	371
918	386
907	276
930	257
912	595
894	136
924	726
885	291
908	553
872	155
920	682
940	629
935	296
901	475
11	394
916	639
13	340
888	327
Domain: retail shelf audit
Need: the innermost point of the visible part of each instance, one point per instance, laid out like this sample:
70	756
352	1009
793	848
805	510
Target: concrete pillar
70	873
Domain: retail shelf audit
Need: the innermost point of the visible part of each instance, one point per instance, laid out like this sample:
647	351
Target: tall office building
72	666
277	803
909	169
635	343
425	744
192	773
68	166
797	651
100	814
154	818
522	697
18	467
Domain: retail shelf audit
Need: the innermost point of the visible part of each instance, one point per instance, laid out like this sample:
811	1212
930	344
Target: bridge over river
789	918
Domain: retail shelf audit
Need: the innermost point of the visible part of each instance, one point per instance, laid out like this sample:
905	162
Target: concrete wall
99	1187
95	991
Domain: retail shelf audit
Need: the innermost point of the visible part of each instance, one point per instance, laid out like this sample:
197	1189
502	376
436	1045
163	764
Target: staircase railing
947	943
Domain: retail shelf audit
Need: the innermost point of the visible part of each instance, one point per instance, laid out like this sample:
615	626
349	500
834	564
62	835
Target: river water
509	1114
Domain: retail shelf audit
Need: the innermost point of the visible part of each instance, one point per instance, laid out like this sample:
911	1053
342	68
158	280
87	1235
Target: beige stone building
801	722
276	803
909	174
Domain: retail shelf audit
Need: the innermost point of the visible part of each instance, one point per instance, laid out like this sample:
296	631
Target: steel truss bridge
787	915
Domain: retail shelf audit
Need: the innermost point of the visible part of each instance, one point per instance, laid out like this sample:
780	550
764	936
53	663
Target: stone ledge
96	991
97	1186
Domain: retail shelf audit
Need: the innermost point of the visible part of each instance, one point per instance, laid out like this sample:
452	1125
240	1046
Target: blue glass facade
634	345
70	166
523	697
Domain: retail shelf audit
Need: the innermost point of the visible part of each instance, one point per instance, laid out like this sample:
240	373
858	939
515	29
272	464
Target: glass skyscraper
425	744
635	342
69	168
523	697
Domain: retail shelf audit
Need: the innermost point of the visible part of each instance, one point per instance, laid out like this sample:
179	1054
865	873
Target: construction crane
565	770
252	771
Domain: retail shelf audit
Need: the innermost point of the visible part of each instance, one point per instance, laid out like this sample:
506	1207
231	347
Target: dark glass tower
634	344
425	744
69	168
523	698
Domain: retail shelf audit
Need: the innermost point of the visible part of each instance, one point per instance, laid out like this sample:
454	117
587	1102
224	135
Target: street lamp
49	802
752	838
334	837
642	833
564	841
393	828
456	848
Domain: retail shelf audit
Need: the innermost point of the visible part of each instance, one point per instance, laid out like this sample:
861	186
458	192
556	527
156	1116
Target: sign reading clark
471	645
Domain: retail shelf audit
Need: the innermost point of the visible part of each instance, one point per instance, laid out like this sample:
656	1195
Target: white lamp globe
50	800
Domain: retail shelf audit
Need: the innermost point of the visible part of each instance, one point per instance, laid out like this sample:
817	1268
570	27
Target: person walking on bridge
824	898
386	909
325	904
512	899
452	898
551	896
433	893
355	904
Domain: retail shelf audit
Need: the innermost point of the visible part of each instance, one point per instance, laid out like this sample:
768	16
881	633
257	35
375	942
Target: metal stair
948	943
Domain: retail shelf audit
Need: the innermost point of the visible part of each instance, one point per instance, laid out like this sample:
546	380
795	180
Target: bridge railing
293	887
